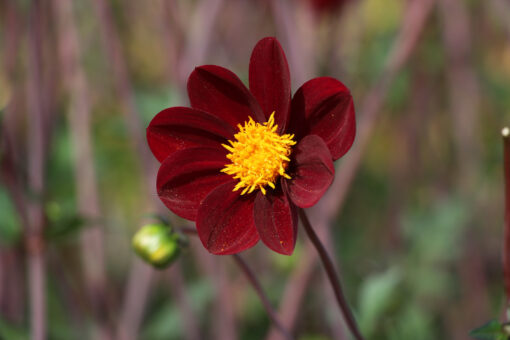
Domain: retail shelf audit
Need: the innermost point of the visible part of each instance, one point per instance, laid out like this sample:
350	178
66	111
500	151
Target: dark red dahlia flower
240	161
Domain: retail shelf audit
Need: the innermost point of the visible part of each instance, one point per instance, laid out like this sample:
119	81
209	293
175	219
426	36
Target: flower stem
250	275
332	276
506	246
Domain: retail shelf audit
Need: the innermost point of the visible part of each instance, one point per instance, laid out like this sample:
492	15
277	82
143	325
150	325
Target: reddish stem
250	275
332	276
506	245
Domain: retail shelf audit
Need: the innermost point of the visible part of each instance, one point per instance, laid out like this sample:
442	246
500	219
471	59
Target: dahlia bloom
241	161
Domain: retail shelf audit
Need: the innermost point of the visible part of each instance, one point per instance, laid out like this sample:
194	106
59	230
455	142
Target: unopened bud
157	245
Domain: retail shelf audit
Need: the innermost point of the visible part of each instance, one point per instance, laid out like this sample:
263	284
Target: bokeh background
413	219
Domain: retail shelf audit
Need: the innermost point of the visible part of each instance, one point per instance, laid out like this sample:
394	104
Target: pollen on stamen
258	155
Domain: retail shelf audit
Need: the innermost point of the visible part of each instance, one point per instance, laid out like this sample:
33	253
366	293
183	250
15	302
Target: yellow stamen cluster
259	155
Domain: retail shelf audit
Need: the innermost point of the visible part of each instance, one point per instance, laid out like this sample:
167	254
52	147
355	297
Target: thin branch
252	278
332	275
506	244
263	298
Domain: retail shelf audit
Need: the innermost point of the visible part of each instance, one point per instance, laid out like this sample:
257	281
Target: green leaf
376	295
10	227
492	330
165	323
64	227
8	331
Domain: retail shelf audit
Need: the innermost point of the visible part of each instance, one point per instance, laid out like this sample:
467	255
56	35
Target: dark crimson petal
270	80
340	144
324	107
218	91
187	176
225	221
180	128
276	220
312	171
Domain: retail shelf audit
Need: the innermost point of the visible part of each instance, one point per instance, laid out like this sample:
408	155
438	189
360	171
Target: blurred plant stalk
37	134
464	109
506	245
12	292
92	238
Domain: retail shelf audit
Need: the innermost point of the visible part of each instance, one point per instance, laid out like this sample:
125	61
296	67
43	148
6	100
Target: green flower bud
157	245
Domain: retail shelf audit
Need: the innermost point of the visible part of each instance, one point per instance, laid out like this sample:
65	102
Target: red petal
276	220
180	128
225	221
187	176
313	172
218	91
323	106
270	80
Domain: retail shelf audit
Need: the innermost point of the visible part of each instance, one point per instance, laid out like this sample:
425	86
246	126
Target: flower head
240	161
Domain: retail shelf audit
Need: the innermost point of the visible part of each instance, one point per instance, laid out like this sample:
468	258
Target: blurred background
413	219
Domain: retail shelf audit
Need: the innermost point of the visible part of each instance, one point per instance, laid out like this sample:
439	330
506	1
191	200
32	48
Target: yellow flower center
259	155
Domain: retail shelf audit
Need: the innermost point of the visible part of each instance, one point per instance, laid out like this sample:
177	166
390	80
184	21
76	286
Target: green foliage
11	332
492	330
377	293
60	312
62	222
151	102
314	337
165	323
399	303
10	227
413	322
287	263
434	233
